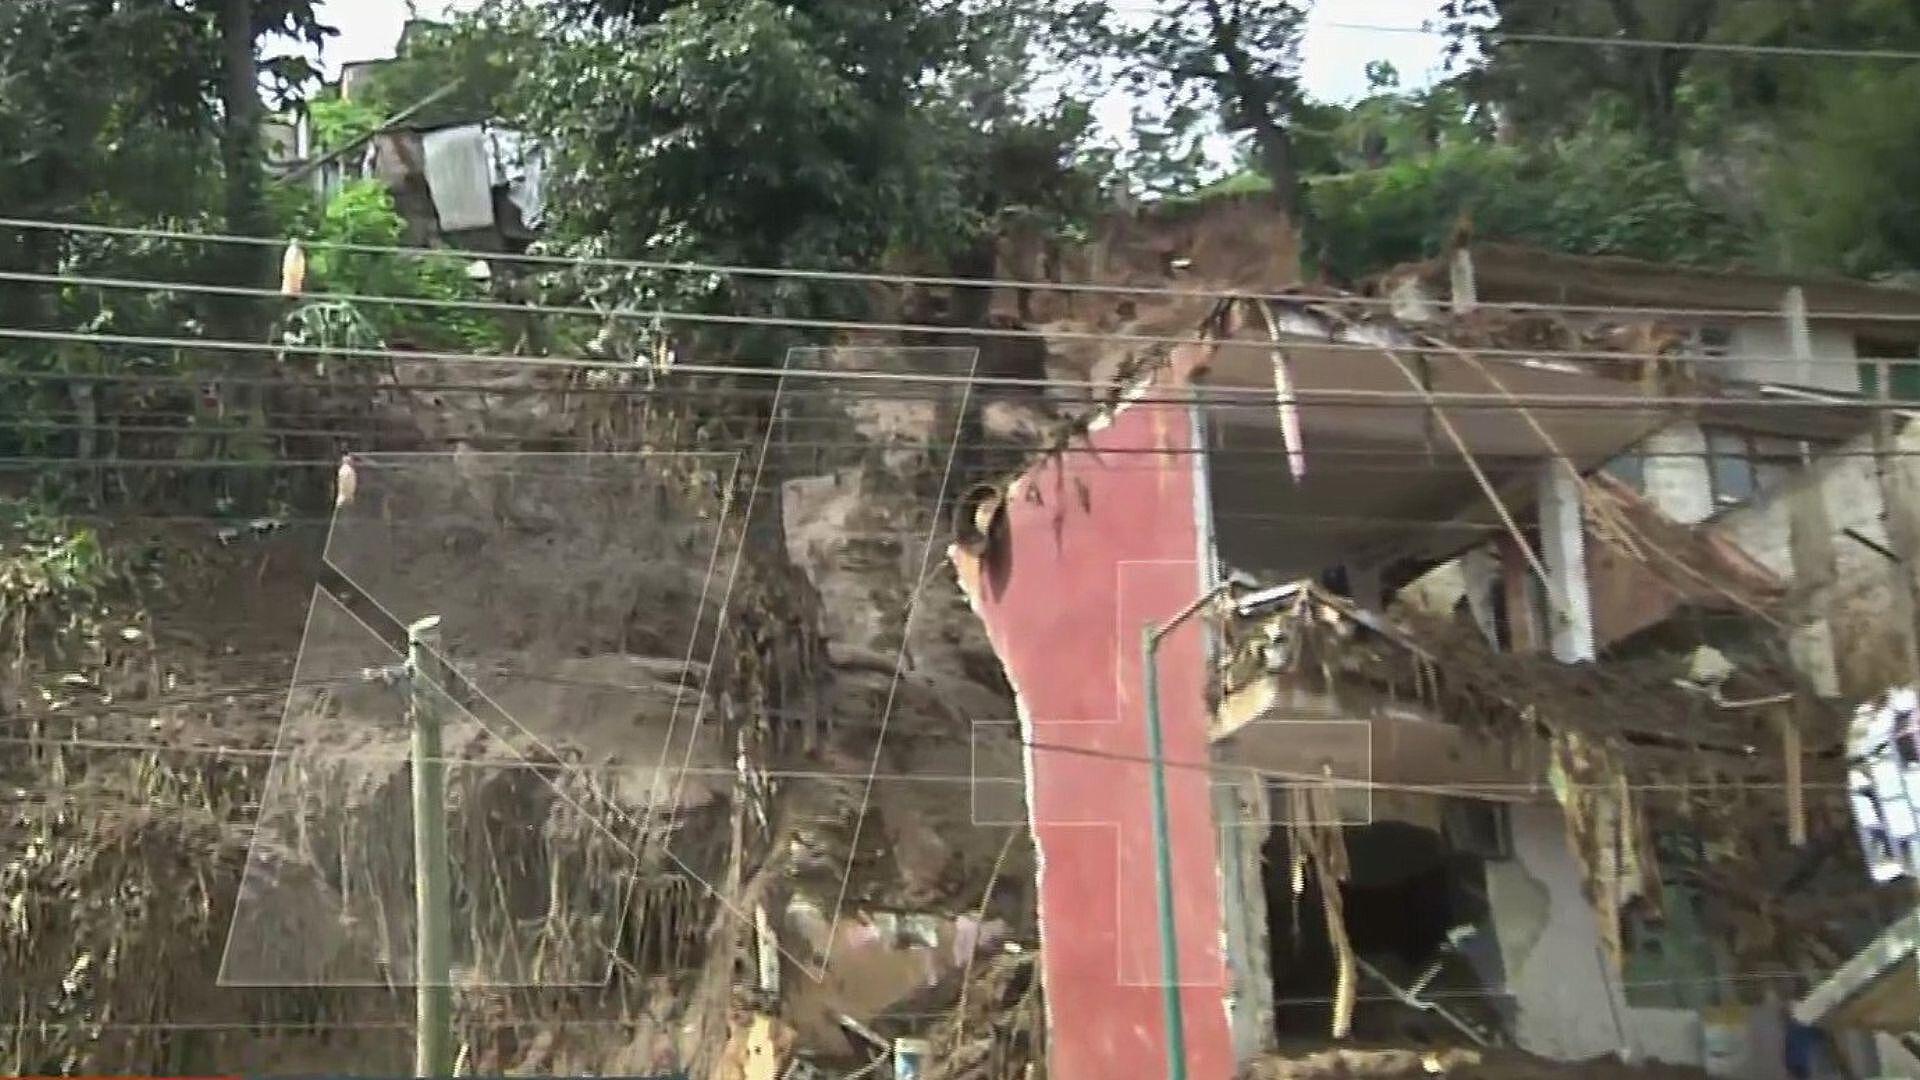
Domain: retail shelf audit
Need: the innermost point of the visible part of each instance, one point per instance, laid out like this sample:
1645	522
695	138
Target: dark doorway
1408	889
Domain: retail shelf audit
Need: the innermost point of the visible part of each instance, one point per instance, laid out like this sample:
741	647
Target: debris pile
1413	1064
161	838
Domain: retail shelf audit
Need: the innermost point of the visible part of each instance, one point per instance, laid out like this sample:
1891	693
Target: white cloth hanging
459	168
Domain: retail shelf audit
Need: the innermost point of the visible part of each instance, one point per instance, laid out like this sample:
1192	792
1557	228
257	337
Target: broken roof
1409	447
1643	573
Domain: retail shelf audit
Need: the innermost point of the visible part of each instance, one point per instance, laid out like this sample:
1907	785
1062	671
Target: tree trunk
240	104
1658	88
247	265
1276	158
1243	88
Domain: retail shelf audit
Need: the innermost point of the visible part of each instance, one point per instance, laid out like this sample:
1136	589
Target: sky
1333	57
370	28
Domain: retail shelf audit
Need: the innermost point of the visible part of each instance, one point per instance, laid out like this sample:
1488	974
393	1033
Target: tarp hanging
459	168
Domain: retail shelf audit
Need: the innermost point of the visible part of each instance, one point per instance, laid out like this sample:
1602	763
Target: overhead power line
1056	394
1666	44
1540	790
595	447
880	278
669	315
1212	393
404	1026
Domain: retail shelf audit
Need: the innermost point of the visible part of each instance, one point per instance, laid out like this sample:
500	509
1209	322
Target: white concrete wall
1567	1005
1756	345
1866	649
1679	485
1856	648
1893	1059
1569	1001
1243	810
1851	488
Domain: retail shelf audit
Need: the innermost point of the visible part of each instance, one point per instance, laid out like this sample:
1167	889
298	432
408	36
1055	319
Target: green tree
1597	191
1843	192
827	133
124	111
362	213
1548	88
466	67
1240	56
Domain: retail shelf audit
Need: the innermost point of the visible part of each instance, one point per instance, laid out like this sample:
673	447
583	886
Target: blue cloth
1802	1049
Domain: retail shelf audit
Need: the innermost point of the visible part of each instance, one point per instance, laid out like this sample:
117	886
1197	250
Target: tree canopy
845	133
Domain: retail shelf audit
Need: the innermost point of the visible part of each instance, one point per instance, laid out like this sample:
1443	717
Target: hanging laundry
528	193
459	170
519	168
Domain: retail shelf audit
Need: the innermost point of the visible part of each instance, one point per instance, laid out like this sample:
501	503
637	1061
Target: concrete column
1564	551
1810	540
1480	573
1676	473
1793	308
1241	807
1516	583
1460	282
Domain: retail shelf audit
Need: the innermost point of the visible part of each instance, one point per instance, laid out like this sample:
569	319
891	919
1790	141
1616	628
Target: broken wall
1567	1001
1859	636
1098	542
1675	476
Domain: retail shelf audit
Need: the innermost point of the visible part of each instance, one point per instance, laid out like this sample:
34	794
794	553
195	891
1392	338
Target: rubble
1408	1064
833	891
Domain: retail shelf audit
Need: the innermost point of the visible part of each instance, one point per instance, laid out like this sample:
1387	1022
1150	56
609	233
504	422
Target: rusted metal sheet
1093	547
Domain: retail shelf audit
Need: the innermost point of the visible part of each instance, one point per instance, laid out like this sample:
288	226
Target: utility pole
433	949
1172	1009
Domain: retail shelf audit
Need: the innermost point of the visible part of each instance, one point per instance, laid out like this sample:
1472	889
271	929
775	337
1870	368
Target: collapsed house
1502	659
1783	368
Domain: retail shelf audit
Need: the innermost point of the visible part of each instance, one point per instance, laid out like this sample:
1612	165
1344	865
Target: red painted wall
1097	545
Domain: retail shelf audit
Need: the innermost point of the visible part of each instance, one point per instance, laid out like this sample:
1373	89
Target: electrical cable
895	279
1537	791
1213	395
913	280
668	315
406	1024
873	386
1722	47
1782	456
558	443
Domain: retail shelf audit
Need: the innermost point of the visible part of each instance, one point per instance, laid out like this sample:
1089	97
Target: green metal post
1171	1006
1163	867
433	949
